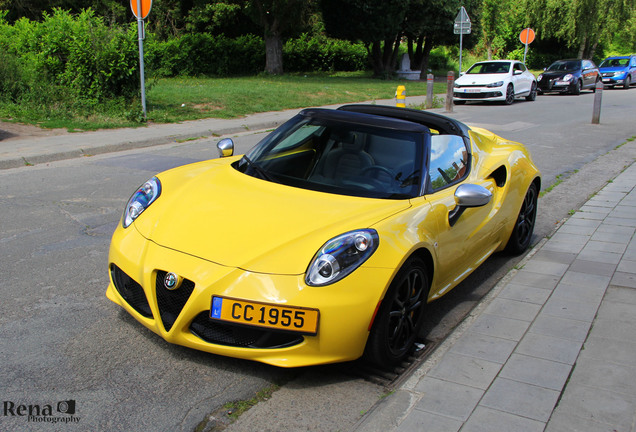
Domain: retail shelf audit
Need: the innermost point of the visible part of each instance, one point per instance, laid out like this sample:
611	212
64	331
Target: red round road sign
145	8
526	36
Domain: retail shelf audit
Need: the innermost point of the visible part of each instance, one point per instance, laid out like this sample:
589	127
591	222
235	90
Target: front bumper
137	267
479	93
556	86
613	80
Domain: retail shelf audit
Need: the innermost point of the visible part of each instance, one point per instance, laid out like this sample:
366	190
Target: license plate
471	90
606	80
290	318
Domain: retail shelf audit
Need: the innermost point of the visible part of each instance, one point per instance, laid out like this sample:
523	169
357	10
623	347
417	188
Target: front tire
400	317
510	95
627	83
524	226
577	88
533	93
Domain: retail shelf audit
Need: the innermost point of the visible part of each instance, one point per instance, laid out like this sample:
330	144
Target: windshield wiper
264	174
410	180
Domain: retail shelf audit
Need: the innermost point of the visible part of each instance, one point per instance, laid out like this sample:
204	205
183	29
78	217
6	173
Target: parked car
496	80
326	241
569	76
619	70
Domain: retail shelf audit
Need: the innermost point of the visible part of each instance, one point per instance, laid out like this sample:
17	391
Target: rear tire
400	317
524	226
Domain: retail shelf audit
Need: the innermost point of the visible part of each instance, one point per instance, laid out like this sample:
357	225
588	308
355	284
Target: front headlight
145	195
340	256
540	77
495	84
567	77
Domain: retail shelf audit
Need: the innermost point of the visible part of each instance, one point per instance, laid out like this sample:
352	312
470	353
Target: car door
465	243
589	74
520	78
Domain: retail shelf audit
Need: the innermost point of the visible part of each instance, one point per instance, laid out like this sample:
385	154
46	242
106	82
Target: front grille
246	337
171	302
477	95
131	291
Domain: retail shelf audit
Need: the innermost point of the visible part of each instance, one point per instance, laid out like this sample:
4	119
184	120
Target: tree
581	24
277	18
376	23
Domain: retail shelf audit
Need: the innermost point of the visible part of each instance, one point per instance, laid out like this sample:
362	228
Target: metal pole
140	32
450	81
598	96
429	91
461	36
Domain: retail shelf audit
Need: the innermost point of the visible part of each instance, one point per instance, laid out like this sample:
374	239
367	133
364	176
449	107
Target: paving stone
525	293
614	329
550	348
466	370
490	420
562	420
514	309
448	399
606	257
546	267
567	307
535	371
421	420
605	246
568	238
594	404
619	294
592	267
624	279
563	257
561	328
521	399
537	280
627	266
501	327
610	350
601	374
484	347
619	311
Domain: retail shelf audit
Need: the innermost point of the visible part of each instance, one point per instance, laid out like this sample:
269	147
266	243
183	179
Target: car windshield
344	158
565	65
489	68
617	62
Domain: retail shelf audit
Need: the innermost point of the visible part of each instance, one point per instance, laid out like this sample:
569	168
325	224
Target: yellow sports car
326	241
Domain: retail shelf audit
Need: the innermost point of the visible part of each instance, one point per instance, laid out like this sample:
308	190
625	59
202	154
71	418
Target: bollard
429	91
400	97
450	82
598	97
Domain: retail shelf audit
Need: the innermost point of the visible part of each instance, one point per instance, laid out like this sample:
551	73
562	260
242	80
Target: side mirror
517	72
226	147
466	196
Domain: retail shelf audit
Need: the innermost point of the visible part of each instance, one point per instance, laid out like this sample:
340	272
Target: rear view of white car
495	80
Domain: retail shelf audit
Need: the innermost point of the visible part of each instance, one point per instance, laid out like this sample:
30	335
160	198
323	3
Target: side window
448	160
519	66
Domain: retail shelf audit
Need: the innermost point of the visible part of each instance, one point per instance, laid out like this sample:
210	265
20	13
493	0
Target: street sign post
141	9
526	37
461	27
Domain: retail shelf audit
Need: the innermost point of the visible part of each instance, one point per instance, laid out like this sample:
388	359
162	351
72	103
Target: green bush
320	54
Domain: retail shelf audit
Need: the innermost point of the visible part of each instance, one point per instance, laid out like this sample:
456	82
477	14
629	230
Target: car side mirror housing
517	72
467	196
226	147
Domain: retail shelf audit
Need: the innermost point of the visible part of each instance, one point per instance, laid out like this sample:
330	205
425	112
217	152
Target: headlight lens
145	195
540	77
568	77
340	256
495	84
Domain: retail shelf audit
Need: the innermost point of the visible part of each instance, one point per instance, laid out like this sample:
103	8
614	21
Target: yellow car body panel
256	245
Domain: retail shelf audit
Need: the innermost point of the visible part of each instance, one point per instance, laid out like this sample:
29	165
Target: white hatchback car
495	80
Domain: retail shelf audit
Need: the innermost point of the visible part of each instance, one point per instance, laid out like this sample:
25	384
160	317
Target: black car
569	76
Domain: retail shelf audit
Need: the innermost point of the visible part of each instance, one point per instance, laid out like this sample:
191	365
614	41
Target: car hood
556	74
480	79
212	211
614	69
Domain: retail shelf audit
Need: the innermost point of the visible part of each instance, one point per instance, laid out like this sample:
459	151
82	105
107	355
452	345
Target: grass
171	100
236	408
179	99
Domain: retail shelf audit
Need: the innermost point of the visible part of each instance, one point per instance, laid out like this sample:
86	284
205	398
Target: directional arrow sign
461	28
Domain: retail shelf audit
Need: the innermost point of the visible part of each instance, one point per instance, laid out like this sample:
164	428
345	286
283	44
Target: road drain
394	377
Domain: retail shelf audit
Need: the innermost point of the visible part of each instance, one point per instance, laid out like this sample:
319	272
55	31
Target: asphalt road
63	340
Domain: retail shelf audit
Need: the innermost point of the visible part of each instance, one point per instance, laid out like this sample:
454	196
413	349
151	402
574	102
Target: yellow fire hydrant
400	97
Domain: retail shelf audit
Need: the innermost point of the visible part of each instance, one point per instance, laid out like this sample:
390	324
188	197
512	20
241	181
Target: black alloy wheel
577	88
524	226
533	92
627	82
510	95
400	317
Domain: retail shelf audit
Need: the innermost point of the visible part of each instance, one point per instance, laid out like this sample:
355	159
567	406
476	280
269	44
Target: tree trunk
426	53
274	54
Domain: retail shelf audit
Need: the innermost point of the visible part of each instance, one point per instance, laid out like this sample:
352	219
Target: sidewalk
552	347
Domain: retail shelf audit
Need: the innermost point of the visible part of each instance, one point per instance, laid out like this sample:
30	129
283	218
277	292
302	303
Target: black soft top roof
444	125
363	118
